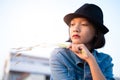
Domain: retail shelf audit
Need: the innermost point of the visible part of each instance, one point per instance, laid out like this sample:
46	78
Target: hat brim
69	17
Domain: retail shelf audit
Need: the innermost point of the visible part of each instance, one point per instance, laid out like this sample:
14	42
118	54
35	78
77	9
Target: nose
76	28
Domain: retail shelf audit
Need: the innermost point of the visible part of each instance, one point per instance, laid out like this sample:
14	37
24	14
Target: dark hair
99	40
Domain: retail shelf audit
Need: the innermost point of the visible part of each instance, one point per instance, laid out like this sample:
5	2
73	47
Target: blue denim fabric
65	65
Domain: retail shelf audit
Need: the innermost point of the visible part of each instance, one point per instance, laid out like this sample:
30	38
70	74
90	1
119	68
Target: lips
76	36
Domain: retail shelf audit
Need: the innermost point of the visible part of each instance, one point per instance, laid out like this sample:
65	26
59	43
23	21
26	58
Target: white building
21	66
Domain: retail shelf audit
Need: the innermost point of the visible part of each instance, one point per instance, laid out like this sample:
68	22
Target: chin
76	42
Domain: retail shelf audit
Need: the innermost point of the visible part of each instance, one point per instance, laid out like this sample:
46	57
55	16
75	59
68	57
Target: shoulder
58	52
100	56
59	55
104	61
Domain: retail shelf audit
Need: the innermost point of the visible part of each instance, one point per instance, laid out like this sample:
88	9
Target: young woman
81	60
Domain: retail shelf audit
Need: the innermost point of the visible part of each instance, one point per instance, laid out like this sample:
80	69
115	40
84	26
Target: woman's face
81	31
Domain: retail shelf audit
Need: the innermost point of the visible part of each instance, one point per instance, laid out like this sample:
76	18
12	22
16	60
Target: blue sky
31	22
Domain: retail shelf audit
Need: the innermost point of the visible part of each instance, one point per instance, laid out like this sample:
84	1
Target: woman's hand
81	51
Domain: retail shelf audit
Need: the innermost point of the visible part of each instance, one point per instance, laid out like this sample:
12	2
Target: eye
71	24
84	24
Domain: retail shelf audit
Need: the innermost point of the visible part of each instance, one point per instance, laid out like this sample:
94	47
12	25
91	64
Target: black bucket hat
90	11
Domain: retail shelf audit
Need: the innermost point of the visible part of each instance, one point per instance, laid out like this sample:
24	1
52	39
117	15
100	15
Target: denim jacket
65	65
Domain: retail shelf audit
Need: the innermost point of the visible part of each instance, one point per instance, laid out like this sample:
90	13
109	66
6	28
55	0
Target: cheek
70	32
89	35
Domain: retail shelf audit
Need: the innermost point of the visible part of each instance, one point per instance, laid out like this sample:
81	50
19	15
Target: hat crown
91	11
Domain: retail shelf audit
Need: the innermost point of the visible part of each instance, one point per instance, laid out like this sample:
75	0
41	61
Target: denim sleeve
108	68
58	69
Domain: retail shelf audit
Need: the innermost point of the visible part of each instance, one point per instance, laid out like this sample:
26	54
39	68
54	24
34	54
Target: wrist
90	59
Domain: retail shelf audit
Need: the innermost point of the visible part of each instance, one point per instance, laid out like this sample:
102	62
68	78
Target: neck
89	47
